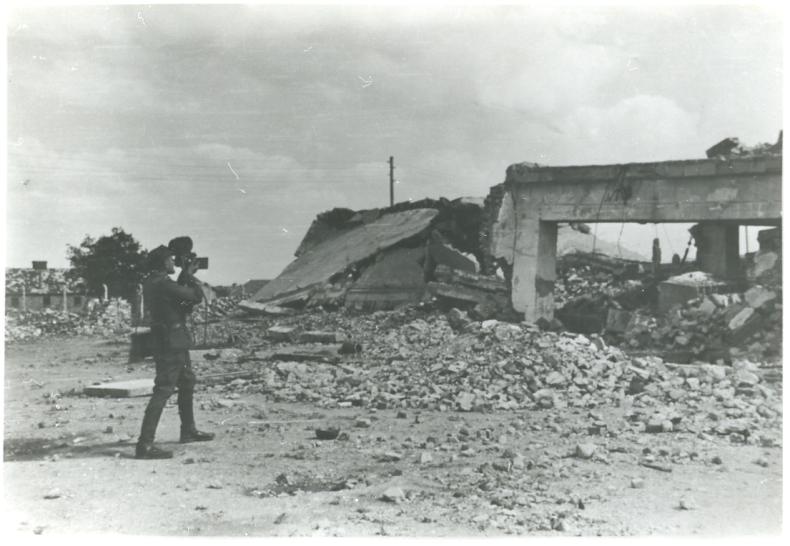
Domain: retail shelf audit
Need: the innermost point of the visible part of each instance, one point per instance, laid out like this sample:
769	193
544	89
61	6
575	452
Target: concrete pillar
105	293
24	298
65	299
717	249
535	269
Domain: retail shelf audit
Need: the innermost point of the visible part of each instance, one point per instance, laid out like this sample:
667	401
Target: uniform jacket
169	303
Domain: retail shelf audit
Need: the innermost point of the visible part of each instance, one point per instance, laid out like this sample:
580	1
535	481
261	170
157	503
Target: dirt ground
69	466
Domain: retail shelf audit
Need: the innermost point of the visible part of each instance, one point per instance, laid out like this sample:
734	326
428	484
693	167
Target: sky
238	124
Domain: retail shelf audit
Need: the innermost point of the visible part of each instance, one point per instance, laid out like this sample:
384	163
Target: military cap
157	257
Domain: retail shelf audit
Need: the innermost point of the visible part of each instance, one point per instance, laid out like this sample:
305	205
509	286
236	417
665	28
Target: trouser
173	369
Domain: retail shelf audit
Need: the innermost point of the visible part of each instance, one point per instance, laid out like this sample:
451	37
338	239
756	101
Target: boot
194	435
189	432
150	451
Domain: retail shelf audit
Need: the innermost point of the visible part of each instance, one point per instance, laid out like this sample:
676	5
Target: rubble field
418	421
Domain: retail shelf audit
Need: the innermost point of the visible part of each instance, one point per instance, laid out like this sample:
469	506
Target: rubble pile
732	147
589	284
716	327
383	258
216	309
413	358
105	319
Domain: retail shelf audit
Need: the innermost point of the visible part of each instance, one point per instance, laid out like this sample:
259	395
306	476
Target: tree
116	260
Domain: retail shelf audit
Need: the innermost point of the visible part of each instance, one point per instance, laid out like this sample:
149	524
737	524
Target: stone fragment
763	262
655	424
585	451
53	494
555	379
458	319
745	378
740	319
519	462
464	401
393	494
707	308
717	373
362	423
686	503
327	433
318	336
280	333
391	456
637	483
425	457
757	296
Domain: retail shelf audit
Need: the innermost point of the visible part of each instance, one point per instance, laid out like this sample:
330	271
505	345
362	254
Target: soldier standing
169	303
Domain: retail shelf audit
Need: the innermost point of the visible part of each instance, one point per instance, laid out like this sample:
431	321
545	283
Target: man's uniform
169	303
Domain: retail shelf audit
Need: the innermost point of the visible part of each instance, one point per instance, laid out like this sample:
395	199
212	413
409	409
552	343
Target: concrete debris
393	494
256	308
337	255
122	389
281	333
380	259
328	433
681	288
108	319
414	358
585	451
686	503
731	147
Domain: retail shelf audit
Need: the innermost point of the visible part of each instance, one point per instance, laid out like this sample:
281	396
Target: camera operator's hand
191	267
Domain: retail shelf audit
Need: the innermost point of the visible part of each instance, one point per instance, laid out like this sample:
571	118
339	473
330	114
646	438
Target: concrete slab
122	389
319	264
396	278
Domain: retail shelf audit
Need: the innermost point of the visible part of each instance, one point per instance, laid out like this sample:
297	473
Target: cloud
638	128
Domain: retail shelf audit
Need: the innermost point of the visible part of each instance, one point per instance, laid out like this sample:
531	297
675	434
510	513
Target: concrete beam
736	191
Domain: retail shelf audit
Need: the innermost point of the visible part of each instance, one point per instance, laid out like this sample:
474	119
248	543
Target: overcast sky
238	124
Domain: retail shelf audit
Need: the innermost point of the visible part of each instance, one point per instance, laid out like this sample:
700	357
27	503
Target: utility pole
392	180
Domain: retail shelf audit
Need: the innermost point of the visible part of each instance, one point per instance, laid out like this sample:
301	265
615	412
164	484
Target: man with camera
169	303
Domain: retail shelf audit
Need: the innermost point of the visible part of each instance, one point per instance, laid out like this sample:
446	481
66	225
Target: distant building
38	288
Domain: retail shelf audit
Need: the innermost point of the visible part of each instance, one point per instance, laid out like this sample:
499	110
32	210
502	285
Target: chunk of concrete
122	389
280	333
757	296
319	264
740	319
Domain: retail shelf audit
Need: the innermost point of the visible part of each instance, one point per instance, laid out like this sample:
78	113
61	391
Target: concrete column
717	249
24	298
534	269
65	299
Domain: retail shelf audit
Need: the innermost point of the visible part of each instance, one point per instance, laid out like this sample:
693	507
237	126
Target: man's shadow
36	449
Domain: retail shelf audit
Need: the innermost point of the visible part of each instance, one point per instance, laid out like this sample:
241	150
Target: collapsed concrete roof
322	262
